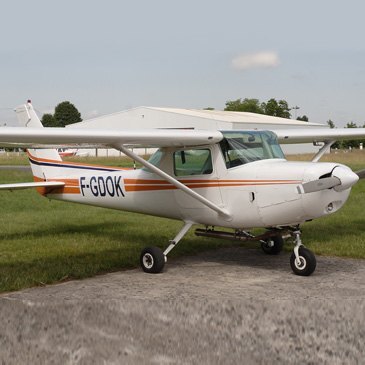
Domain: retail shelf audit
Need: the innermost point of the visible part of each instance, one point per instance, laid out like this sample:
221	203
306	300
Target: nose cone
347	177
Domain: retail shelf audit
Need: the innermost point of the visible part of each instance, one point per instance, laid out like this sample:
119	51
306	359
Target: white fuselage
257	194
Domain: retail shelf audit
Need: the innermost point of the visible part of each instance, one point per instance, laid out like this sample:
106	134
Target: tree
303	118
272	107
351	143
245	105
276	108
331	124
351	125
66	113
49	121
337	144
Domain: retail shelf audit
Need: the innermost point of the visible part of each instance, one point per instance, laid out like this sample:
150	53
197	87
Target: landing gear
302	261
272	245
153	260
305	264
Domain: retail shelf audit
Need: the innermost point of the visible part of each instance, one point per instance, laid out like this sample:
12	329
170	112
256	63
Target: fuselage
258	193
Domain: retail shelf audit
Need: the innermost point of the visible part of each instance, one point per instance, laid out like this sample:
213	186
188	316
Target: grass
44	241
15	158
355	159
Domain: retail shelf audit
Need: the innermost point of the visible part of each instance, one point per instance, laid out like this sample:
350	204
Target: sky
107	56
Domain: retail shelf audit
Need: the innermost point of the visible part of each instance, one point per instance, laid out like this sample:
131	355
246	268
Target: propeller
320	184
341	178
360	174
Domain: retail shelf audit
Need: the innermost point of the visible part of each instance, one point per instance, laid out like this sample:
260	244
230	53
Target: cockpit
241	147
238	148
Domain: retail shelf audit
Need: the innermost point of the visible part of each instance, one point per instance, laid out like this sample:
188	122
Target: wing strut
174	182
322	151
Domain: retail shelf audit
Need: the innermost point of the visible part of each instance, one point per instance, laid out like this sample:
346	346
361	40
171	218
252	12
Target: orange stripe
71	187
197	186
136	188
135	185
67	190
148	187
145	181
198	181
130	188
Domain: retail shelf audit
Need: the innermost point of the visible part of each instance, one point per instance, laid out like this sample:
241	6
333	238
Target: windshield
241	147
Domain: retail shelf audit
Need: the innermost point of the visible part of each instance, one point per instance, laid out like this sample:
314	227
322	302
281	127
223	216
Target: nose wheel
302	261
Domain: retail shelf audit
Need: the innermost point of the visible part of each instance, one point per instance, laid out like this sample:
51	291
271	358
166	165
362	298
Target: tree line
347	144
273	107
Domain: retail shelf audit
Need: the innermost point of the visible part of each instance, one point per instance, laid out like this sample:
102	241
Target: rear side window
193	162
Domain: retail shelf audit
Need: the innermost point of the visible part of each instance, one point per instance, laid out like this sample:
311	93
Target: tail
40	159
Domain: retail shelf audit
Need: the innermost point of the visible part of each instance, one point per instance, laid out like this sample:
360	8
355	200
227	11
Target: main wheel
273	245
307	263
152	260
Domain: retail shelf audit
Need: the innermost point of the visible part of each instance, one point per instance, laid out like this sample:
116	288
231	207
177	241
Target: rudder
40	159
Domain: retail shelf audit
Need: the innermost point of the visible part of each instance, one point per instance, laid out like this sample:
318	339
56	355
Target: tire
307	265
277	246
152	260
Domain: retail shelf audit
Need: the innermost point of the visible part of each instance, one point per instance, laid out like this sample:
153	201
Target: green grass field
44	241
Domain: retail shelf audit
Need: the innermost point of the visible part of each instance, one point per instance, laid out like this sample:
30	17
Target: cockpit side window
193	162
241	147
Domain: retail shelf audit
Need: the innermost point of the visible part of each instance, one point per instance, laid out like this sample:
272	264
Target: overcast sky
106	56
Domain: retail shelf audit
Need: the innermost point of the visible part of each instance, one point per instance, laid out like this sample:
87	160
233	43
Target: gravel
227	306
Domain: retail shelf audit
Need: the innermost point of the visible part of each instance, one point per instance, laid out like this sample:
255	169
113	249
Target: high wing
83	138
57	137
307	135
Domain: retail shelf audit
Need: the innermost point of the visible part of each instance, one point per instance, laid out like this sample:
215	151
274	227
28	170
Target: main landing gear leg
153	260
302	261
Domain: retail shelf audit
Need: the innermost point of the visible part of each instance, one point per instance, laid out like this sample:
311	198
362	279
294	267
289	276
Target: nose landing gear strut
302	261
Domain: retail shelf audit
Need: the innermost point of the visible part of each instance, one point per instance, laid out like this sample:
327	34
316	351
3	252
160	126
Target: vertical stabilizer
27	117
40	159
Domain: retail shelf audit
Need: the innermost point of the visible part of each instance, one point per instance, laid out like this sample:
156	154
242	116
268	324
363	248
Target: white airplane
233	179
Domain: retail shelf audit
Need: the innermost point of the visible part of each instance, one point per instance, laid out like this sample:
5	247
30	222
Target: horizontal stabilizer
41	184
320	184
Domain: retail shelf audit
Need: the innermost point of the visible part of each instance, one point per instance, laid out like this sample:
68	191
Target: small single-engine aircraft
237	179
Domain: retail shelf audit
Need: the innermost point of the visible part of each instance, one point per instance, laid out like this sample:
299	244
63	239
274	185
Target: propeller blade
360	174
320	184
